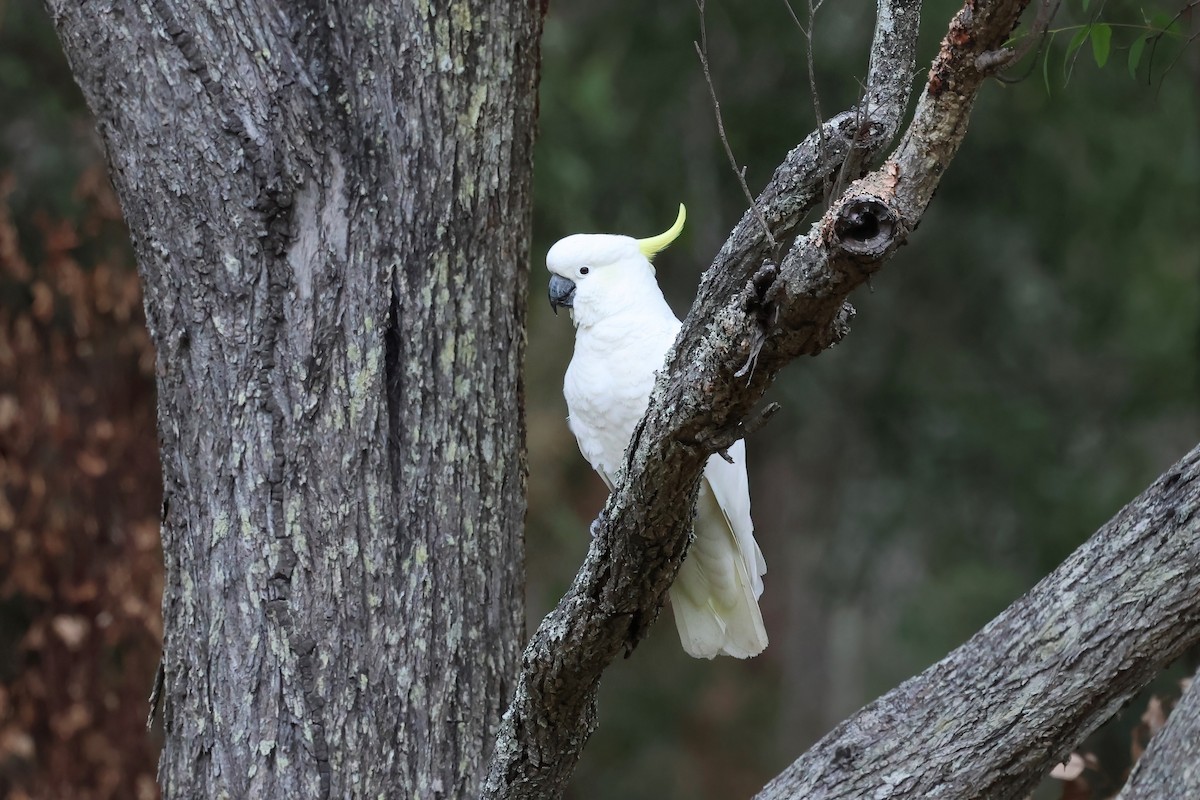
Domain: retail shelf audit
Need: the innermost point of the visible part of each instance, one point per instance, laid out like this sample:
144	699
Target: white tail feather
713	598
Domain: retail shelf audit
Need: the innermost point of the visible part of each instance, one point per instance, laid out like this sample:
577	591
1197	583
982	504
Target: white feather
624	328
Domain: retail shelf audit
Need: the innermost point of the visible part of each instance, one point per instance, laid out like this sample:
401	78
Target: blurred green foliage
46	138
1024	367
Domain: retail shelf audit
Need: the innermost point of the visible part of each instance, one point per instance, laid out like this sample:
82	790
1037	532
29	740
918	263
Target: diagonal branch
1169	768
739	172
749	312
992	717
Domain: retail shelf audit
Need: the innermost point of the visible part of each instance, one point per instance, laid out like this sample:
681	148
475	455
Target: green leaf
1086	3
1101	43
1077	41
1135	54
1167	23
1016	36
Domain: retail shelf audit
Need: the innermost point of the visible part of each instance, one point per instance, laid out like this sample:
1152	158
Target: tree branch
750	318
1169	768
858	135
992	717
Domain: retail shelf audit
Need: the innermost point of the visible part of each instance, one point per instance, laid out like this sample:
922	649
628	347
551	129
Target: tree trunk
330	210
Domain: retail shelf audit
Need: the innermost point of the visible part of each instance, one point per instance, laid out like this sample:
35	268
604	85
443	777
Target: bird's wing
731	487
715	597
591	445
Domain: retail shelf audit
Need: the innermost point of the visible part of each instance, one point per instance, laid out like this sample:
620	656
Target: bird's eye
584	270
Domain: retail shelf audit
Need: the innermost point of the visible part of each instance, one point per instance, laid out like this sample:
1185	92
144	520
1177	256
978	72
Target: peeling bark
330	209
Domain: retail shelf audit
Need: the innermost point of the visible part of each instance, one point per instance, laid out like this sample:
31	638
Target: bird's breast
607	387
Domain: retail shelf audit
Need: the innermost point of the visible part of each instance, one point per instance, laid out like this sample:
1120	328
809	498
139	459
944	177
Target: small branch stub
865	227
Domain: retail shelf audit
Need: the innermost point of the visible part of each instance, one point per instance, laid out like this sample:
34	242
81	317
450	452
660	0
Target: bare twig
807	31
853	165
740	172
1047	10
1183	48
1095	15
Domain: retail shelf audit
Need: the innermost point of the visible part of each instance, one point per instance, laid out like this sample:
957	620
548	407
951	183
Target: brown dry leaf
91	464
30	580
76	718
107	780
145	534
81	592
8	519
147	788
50	407
1070	769
8	359
1137	744
16	743
76	427
95	186
136	608
43	302
1078	789
71	629
1155	716
10	411
99	749
37	485
58	237
102	430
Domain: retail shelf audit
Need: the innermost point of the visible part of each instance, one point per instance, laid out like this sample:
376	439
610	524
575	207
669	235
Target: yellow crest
654	244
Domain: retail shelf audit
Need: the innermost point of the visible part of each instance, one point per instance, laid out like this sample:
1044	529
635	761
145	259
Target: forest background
1030	363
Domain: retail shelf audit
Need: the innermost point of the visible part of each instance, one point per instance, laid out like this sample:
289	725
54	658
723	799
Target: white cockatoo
623	329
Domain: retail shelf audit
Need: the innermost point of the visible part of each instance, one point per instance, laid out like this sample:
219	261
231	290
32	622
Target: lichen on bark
313	192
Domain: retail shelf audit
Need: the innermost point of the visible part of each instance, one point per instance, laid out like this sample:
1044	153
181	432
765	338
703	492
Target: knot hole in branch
865	227
859	131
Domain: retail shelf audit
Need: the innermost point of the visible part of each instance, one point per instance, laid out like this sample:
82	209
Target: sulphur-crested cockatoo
624	328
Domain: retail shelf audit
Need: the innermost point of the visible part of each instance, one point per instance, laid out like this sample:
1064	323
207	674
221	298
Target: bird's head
598	274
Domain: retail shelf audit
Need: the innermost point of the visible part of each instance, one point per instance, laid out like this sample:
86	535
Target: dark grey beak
562	293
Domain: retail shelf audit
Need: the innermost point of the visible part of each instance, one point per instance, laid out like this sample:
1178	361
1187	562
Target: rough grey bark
993	717
1170	767
329	204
